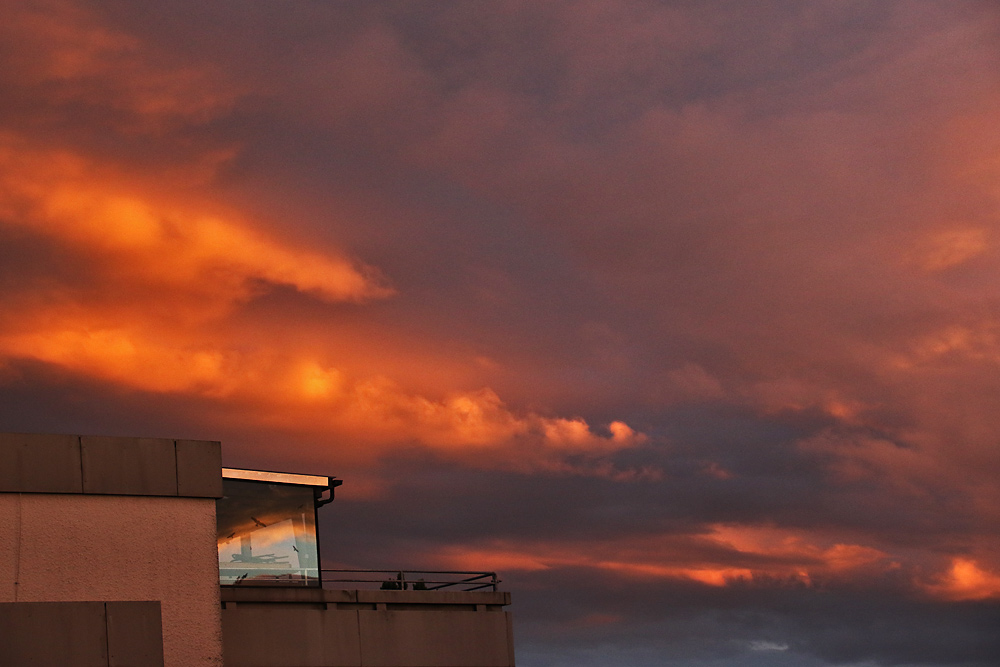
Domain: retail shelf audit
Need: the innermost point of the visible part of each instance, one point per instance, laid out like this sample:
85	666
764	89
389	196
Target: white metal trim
279	477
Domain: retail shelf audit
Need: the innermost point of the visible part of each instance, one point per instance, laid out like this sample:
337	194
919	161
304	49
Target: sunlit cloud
709	576
304	396
946	249
66	55
966	580
167	267
161	246
124	357
740	555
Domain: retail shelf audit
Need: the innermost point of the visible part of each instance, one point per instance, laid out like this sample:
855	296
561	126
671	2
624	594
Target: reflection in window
267	534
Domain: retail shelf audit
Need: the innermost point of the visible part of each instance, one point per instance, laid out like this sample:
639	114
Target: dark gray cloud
695	626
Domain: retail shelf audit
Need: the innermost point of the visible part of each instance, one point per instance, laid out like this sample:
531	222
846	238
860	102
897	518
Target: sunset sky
683	316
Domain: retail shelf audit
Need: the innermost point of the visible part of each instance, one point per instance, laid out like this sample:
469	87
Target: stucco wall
95	547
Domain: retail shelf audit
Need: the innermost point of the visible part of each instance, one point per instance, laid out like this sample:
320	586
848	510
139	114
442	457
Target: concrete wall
80	634
315	628
84	539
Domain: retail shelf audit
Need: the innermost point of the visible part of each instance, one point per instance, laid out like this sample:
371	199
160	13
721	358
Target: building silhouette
145	552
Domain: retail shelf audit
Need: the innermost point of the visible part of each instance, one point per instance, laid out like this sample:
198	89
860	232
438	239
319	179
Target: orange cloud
62	52
127	358
950	247
206	265
157	245
710	576
966	580
475	426
168	269
299	394
738	554
952	344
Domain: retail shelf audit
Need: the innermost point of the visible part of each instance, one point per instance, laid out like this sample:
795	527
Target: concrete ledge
36	463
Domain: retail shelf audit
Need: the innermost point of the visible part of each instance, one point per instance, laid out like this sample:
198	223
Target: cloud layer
692	302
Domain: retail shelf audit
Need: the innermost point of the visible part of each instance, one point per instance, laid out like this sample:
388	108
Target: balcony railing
412	580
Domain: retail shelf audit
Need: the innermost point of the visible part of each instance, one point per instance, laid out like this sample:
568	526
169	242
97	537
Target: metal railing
412	580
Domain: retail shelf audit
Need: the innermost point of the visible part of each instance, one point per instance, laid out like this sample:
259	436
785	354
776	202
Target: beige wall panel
135	634
68	634
80	634
289	636
73	547
435	639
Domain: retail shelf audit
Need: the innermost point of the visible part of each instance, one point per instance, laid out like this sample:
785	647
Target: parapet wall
96	465
349	628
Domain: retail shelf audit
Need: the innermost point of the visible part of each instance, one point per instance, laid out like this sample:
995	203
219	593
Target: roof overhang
280	477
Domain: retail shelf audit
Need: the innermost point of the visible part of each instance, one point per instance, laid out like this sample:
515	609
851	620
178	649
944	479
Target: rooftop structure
144	552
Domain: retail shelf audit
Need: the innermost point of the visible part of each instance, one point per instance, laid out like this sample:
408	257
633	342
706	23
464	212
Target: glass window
267	534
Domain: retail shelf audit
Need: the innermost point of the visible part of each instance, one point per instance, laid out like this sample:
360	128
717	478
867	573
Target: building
141	552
